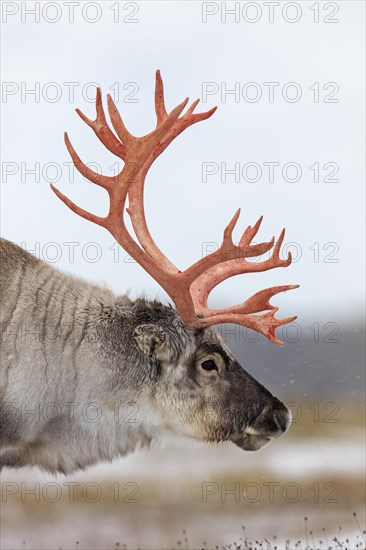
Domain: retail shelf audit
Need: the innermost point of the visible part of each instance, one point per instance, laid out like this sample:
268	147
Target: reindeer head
197	387
191	385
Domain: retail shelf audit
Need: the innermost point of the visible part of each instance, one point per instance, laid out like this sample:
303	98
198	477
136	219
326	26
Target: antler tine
250	233
103	181
256	303
188	118
228	231
192	107
253	250
265	324
167	127
160	110
100	118
124	135
101	129
277	248
261	300
79	211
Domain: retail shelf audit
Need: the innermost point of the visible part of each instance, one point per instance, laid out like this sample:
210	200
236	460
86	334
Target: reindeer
88	376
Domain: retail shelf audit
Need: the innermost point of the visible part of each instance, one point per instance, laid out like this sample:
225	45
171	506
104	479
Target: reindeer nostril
282	420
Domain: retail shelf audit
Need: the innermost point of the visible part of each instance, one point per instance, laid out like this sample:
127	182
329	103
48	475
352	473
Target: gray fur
87	376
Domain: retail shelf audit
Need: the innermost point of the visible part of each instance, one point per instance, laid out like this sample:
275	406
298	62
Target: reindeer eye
209	365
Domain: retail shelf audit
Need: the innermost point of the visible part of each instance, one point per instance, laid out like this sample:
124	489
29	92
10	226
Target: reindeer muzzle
271	423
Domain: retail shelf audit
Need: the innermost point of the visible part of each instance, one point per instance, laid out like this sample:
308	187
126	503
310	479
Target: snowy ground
148	499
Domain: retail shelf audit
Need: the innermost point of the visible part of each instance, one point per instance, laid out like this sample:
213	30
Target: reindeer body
89	376
80	386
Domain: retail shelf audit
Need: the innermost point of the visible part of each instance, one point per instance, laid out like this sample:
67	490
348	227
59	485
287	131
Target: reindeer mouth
251	442
269	425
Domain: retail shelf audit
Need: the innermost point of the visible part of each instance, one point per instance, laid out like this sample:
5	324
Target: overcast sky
291	132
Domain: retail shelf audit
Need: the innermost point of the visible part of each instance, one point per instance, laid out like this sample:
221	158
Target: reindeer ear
151	340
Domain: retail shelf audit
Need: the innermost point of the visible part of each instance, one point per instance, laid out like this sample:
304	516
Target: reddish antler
188	289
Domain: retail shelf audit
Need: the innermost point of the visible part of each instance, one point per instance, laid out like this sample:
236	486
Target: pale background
184	212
